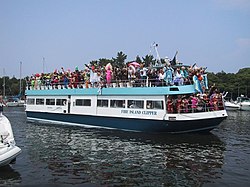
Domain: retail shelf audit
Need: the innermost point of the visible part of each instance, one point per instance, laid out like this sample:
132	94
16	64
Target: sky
37	35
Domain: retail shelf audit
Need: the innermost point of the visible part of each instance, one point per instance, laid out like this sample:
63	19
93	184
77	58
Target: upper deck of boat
62	91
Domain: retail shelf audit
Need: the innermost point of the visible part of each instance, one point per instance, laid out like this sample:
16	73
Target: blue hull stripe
142	125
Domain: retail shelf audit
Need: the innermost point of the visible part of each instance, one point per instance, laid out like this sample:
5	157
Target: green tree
148	60
235	84
103	62
138	59
12	86
94	63
119	61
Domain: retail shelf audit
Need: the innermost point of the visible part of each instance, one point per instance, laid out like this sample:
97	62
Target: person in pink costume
108	76
194	103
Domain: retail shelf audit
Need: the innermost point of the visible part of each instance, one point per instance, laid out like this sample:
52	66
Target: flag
174	60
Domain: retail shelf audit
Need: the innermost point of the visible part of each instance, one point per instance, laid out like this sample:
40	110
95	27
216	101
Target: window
50	101
61	102
154	105
174	89
102	103
39	101
83	102
117	103
135	104
30	101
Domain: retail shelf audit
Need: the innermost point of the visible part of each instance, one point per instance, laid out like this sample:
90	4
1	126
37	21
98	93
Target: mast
20	89
158	58
43	63
157	53
3	83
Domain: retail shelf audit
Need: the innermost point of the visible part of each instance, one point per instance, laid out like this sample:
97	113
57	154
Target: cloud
237	57
242	52
243	5
243	43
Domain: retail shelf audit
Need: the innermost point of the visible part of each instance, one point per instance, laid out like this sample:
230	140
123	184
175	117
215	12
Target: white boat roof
166	90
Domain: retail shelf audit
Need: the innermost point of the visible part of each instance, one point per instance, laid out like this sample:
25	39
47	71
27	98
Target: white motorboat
12	103
15	102
243	102
8	149
231	105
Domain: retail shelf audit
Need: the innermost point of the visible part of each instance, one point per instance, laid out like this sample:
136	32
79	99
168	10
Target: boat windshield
243	99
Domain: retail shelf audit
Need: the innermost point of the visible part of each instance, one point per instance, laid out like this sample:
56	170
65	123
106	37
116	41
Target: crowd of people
134	74
195	103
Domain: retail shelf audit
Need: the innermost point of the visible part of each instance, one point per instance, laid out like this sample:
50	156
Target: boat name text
138	112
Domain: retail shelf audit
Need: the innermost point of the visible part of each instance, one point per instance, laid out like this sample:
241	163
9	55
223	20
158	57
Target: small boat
12	103
15	102
243	102
231	106
21	103
8	149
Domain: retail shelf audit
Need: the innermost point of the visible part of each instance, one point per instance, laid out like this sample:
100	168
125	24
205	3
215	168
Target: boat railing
114	84
202	107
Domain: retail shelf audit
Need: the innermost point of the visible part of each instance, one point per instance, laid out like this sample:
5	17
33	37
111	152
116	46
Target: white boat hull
15	103
172	123
231	106
85	107
243	102
245	106
8	154
8	149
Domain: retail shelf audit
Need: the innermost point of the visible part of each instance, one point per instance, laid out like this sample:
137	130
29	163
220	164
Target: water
55	155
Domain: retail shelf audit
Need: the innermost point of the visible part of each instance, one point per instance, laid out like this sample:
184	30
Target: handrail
85	84
206	107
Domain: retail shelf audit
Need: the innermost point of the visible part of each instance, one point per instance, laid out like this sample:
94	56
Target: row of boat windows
100	103
38	101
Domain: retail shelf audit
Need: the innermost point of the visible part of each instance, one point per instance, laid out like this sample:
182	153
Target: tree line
233	83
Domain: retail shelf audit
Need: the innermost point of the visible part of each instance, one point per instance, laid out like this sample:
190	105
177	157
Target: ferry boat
123	107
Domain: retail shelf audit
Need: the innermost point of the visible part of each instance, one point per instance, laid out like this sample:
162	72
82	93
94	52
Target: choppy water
72	156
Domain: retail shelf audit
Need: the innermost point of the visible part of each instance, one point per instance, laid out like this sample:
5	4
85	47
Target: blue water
72	156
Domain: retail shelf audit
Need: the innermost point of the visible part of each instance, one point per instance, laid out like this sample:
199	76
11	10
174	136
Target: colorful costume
168	75
108	76
197	84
